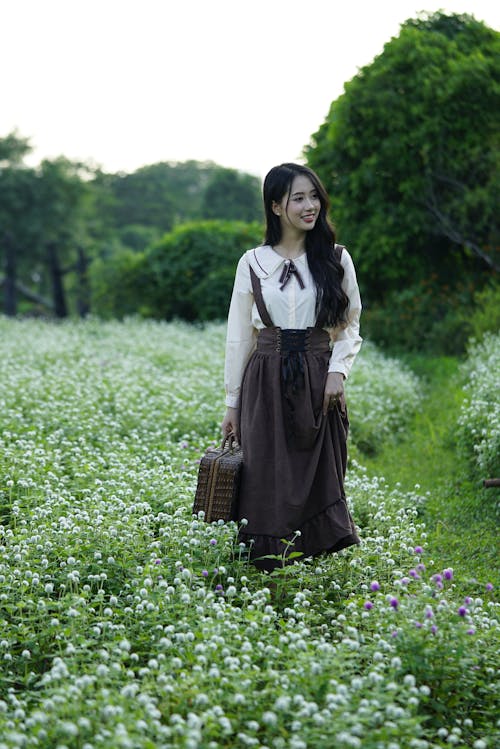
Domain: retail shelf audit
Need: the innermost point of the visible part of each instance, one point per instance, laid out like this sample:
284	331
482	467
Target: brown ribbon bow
288	270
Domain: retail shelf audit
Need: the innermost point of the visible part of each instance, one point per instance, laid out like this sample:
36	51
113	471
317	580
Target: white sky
123	83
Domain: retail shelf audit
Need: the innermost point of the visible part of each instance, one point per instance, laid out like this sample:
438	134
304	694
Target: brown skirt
294	457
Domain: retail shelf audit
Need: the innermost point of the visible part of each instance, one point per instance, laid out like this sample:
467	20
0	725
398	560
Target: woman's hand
230	423
334	391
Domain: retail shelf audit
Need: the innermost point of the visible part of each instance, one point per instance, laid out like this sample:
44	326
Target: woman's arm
240	342
346	338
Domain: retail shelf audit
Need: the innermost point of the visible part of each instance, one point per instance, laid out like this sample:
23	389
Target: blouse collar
265	261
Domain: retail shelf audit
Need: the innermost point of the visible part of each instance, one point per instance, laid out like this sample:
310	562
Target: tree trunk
56	275
83	288
10	267
29	294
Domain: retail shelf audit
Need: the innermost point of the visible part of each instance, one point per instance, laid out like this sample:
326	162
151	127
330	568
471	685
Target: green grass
460	515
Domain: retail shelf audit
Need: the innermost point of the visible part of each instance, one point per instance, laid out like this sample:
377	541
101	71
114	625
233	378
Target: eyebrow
301	192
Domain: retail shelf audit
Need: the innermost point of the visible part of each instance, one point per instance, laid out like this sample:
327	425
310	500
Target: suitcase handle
230	442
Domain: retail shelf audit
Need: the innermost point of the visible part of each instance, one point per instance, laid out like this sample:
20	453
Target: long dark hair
323	261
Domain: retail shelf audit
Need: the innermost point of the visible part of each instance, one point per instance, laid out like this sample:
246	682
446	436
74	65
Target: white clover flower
269	718
296	742
282	703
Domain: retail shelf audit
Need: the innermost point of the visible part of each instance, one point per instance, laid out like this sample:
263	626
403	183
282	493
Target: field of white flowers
127	623
479	422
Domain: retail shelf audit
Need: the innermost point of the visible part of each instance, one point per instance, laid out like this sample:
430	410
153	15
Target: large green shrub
432	317
194	268
486	315
121	285
427	316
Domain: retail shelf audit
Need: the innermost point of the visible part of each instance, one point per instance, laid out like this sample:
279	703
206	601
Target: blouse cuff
232	401
337	367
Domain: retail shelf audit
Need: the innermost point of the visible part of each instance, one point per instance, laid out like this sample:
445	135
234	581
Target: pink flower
375	586
368	605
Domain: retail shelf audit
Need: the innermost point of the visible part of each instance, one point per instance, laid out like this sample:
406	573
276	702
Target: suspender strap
259	300
257	290
338	251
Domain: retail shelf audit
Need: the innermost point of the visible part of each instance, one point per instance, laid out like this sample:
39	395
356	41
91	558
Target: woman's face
299	209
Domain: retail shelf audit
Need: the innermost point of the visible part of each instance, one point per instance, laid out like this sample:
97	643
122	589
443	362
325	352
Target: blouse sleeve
241	334
346	338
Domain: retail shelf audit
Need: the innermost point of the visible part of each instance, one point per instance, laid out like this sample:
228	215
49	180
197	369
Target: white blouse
291	307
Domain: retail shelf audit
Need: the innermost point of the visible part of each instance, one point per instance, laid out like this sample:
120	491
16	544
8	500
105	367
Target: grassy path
459	514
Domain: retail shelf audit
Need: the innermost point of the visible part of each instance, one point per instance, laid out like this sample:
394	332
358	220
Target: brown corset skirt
294	457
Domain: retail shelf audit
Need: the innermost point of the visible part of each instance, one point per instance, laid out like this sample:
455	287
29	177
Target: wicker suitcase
218	481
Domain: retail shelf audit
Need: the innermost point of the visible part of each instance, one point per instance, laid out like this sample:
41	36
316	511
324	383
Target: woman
293	333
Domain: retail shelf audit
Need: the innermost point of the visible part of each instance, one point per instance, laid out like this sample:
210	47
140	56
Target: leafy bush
120	285
194	268
486	315
427	316
479	422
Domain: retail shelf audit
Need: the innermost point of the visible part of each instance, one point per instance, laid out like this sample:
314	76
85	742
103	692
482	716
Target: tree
159	195
232	196
163	195
409	154
61	201
47	223
17	232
